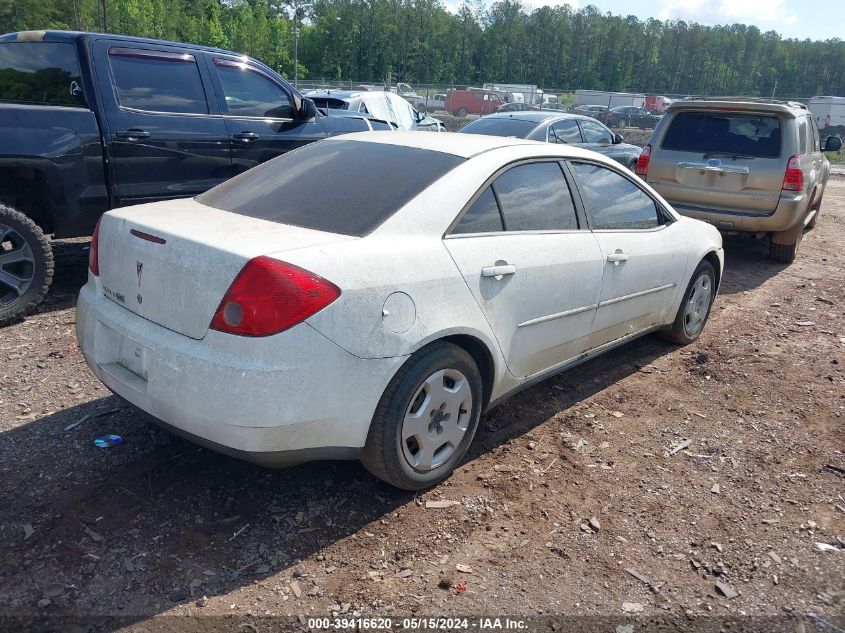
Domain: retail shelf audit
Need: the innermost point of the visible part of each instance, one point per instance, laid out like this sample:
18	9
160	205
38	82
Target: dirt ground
567	504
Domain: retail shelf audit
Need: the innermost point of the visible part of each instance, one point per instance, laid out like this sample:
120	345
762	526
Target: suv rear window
347	187
754	135
40	72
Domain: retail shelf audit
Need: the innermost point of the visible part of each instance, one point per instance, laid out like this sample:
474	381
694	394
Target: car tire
695	307
783	253
409	456
461	113
24	278
817	207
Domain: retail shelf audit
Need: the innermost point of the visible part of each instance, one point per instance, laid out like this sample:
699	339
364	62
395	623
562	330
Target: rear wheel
461	113
426	419
695	307
783	253
26	265
817	207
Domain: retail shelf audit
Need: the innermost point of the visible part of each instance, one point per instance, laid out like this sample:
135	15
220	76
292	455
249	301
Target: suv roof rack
791	104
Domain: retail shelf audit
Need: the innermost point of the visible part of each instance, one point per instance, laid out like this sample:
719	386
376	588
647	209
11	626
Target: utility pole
297	7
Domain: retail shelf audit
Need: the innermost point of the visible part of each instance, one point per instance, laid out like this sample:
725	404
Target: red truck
656	104
459	103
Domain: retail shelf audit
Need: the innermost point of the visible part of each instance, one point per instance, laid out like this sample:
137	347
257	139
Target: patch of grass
836	158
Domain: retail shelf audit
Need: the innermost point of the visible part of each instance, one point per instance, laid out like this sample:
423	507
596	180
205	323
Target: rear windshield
754	135
347	187
328	102
40	72
517	128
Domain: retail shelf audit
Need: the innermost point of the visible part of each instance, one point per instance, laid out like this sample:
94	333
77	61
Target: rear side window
40	72
157	81
500	127
482	217
612	201
535	197
565	131
595	132
346	187
755	135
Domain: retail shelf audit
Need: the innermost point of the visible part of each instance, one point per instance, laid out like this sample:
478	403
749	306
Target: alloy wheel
17	265
698	305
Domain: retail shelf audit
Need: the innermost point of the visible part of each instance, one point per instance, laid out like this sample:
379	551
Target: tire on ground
40	272
678	333
383	454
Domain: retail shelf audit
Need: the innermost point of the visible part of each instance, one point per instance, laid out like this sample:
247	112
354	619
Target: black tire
678	332
817	207
38	272
383	454
783	253
461	113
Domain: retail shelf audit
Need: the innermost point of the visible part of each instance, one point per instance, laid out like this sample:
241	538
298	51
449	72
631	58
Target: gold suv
744	165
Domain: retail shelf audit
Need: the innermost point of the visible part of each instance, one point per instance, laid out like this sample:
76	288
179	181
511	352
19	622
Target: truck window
40	72
250	93
157	81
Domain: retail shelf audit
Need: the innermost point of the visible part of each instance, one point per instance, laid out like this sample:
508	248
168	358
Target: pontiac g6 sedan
370	296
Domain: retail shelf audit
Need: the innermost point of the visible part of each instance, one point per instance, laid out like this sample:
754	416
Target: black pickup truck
89	122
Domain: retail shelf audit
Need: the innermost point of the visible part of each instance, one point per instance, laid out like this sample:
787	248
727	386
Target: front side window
535	197
40	72
595	132
565	131
612	201
482	217
249	93
157	81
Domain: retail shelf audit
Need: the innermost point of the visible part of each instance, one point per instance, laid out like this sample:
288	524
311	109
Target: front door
532	267
643	250
161	137
259	112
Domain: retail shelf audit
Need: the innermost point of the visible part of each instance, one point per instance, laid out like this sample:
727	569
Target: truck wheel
26	265
817	207
783	253
461	113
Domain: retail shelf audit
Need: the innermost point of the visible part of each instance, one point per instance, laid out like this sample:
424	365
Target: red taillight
642	162
793	179
94	253
269	296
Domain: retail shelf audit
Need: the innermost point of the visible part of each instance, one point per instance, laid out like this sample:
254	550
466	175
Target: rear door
533	268
724	161
259	112
161	136
643	251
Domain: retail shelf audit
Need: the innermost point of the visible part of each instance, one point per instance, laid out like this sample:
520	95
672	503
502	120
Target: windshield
754	135
518	128
347	187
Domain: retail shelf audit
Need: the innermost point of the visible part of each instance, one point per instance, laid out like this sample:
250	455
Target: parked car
745	165
558	127
89	122
551	105
629	116
349	319
596	111
514	106
459	103
428	104
387	106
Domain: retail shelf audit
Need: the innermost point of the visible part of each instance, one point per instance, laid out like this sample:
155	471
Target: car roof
463	145
534	116
71	36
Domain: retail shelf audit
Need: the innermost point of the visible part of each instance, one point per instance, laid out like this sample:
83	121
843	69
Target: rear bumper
789	213
284	399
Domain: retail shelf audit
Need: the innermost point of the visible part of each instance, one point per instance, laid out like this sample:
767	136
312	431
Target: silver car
744	165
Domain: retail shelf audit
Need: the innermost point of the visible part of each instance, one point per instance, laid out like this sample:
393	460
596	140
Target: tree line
421	42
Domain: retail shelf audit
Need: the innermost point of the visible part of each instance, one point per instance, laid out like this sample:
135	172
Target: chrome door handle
498	271
133	134
617	257
245	137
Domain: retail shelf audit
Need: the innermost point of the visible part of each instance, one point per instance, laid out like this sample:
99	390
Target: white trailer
828	111
609	99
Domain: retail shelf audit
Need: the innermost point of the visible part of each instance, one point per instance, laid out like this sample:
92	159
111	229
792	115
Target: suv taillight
94	252
793	179
642	162
269	296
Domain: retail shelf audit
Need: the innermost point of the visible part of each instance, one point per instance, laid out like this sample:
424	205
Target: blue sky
821	19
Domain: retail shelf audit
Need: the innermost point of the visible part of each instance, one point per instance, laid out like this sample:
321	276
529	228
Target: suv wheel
461	113
426	419
783	253
26	265
817	207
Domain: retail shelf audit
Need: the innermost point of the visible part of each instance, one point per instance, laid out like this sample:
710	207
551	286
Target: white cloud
767	13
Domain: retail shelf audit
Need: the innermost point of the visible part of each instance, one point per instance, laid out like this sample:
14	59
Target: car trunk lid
172	262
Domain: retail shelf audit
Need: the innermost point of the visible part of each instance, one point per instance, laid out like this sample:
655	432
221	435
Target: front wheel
426	419
695	307
26	265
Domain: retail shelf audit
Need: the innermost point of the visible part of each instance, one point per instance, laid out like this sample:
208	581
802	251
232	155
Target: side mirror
308	110
618	138
832	144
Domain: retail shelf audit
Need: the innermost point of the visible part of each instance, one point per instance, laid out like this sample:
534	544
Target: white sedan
369	296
